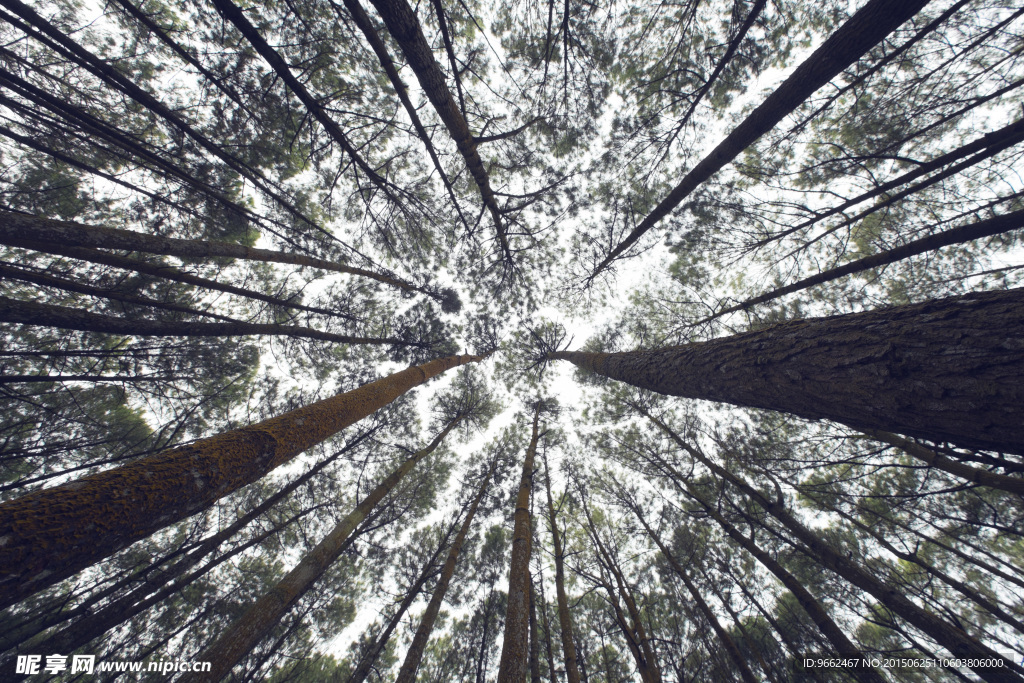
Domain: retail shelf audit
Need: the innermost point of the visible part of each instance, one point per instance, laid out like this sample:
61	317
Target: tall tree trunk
572	672
965	233
843	646
53	533
26	227
368	659
723	636
67	318
404	27
953	638
240	637
153	577
873	22
945	370
515	646
407	674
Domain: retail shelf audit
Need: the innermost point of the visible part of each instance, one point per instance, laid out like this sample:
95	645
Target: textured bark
239	638
49	535
843	646
403	26
723	636
515	646
961	235
572	672
26	227
951	637
64	317
153	580
873	22
407	674
945	370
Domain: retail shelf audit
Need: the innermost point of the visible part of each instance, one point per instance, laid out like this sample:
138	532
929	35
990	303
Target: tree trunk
26	227
843	646
370	656
965	233
957	469
403	26
945	370
515	647
723	636
240	637
873	22
534	641
64	317
572	672
51	534
954	639
407	674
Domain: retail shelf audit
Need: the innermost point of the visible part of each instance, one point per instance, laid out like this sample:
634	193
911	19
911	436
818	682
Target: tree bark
945	370
51	534
572	672
873	22
515	646
240	637
407	674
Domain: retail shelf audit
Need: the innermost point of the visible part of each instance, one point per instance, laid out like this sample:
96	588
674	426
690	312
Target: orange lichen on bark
48	535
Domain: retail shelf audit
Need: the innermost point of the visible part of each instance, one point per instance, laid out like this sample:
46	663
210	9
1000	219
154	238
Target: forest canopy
455	341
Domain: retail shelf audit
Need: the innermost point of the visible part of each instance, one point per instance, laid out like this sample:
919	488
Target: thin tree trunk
403	26
843	646
723	636
989	144
240	637
164	272
516	643
940	462
873	22
362	21
945	370
954	639
26	227
16	273
370	656
407	674
234	14
547	627
64	317
965	233
51	534
534	643
572	672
